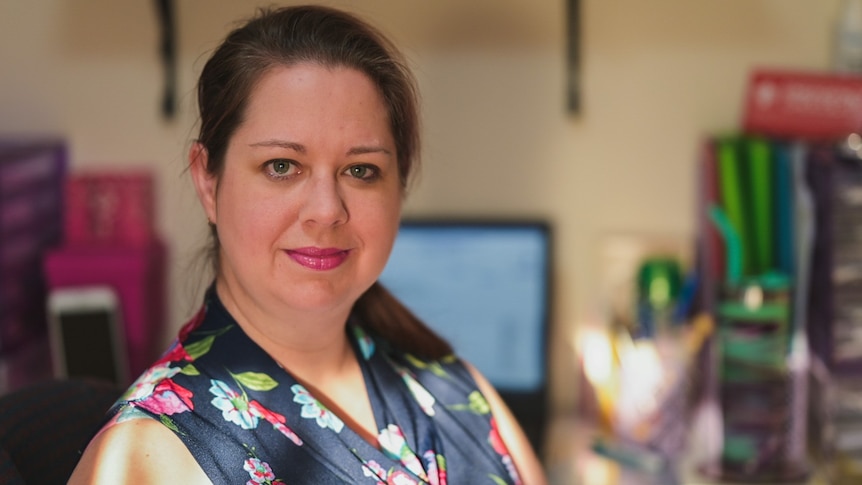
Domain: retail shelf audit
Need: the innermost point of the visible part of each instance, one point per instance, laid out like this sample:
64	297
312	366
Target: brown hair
322	35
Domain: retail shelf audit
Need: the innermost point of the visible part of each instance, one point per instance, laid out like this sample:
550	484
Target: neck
312	346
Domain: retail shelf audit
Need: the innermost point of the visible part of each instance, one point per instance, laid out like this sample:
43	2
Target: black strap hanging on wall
573	53
168	53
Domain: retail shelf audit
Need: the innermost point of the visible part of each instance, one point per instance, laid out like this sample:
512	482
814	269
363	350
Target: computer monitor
485	286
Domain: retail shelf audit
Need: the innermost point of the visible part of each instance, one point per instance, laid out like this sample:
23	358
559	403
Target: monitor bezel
531	408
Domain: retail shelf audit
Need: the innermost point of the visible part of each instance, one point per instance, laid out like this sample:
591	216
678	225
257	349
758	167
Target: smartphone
86	334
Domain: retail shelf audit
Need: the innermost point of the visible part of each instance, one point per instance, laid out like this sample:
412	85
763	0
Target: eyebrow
297	147
300	148
361	150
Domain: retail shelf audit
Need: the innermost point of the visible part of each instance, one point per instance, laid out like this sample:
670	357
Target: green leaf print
497	480
477	404
255	381
167	421
449	359
433	366
200	347
190	370
203	345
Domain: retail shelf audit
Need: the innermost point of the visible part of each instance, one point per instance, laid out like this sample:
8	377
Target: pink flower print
192	324
275	419
234	406
392	442
495	440
177	353
510	467
260	471
373	469
400	478
500	447
169	398
435	468
146	383
442	473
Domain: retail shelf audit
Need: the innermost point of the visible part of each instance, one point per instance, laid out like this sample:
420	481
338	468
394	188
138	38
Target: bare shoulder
137	451
526	461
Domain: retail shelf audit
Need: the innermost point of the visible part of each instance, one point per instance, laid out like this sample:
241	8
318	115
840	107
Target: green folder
731	194
758	154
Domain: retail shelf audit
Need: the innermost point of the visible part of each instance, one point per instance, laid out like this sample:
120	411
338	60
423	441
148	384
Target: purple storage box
32	174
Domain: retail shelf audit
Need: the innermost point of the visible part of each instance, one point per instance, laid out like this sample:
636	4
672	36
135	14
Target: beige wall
657	76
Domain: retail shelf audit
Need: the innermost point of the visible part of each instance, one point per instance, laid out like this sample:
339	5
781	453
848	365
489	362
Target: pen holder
763	419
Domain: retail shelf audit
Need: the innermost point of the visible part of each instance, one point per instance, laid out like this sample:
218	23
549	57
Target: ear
206	184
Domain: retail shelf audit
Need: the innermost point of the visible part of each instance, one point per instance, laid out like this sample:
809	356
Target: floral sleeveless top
247	420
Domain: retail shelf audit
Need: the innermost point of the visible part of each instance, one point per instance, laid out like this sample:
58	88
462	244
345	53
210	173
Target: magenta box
109	208
137	274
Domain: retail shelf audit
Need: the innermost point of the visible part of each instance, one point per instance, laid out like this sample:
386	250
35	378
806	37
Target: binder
729	171
758	161
784	207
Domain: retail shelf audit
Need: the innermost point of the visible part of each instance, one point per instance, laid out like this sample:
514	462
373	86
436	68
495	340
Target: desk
570	461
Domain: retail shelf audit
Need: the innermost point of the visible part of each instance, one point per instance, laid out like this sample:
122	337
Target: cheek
246	216
385	217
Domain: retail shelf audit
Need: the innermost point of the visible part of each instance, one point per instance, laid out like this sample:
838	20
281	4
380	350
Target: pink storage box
106	208
138	276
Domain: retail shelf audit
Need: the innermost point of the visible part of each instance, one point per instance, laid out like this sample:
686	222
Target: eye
280	168
363	172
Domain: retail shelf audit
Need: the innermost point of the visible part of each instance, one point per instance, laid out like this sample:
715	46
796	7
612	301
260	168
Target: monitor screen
482	286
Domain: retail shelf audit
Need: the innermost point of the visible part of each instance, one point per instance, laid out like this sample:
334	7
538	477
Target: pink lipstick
319	259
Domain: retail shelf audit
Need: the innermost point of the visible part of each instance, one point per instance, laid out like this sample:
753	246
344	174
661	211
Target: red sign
807	105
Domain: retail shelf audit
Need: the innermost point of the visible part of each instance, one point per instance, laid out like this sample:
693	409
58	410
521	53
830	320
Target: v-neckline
368	354
370	437
352	443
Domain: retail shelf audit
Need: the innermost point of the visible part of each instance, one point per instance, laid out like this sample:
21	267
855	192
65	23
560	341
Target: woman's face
308	204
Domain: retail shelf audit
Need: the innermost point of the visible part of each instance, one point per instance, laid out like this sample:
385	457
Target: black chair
44	427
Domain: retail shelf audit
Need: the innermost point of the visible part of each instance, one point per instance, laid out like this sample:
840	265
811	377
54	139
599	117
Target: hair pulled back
293	35
289	36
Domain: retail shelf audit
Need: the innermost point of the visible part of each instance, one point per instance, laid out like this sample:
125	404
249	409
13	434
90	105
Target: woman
300	367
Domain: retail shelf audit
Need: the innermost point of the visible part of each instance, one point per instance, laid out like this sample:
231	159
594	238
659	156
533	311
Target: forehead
313	90
334	108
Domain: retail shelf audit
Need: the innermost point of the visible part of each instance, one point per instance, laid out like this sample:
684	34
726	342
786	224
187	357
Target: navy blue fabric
247	420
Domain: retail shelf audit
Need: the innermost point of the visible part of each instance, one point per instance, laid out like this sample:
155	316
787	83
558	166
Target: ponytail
383	315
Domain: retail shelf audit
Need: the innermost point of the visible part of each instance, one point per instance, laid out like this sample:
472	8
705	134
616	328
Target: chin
316	297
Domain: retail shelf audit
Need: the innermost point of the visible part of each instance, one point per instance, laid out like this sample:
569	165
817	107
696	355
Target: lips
318	259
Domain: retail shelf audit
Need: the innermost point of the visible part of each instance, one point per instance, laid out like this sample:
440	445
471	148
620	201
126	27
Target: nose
324	203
